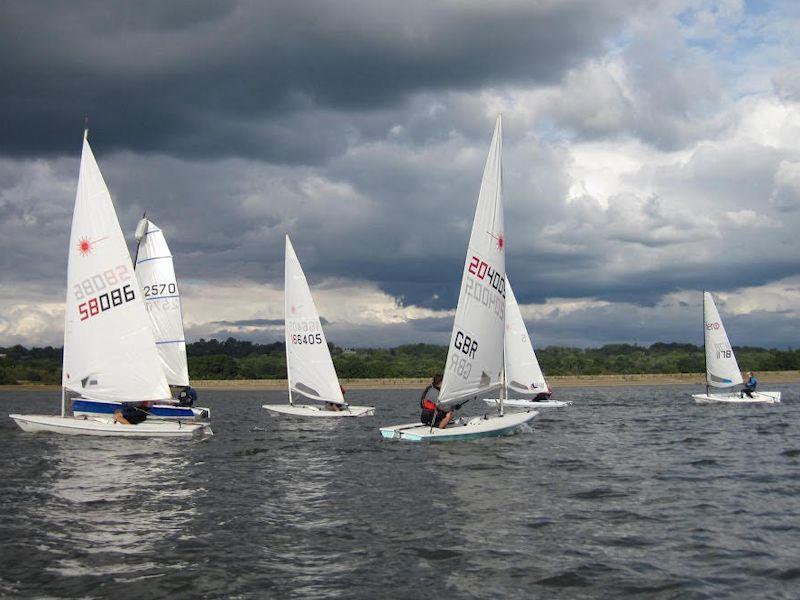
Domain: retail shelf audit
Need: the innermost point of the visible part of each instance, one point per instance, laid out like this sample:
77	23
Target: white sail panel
475	356
109	351
523	373
162	299
722	370
308	359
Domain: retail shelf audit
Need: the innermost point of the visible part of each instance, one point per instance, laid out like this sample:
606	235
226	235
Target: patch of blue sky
547	130
758	7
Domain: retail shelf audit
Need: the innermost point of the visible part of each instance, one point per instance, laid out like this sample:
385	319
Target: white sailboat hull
474	428
309	410
526	403
733	398
108	427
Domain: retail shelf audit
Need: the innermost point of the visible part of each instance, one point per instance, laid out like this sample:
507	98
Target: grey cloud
260	323
260	79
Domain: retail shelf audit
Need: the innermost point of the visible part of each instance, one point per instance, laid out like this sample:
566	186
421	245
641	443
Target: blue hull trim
162	411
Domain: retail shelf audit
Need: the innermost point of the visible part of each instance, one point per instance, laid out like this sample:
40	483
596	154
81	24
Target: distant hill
236	359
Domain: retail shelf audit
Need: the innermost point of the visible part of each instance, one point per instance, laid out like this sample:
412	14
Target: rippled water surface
629	492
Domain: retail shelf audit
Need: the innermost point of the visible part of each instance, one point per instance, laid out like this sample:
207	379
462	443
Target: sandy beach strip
557	381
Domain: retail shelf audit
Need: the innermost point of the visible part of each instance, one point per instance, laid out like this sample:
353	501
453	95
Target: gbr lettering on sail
487	287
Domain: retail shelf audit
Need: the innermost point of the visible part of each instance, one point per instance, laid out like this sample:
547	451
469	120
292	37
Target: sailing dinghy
155	273
722	370
523	375
475	355
308	360
109	351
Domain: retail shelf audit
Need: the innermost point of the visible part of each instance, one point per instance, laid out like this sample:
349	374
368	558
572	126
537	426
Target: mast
503	389
286	319
286	346
705	356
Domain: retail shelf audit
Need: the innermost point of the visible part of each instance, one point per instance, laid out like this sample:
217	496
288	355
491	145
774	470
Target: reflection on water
116	498
629	492
105	508
306	498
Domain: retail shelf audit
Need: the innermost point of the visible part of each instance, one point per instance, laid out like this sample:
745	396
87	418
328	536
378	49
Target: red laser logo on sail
501	241
86	246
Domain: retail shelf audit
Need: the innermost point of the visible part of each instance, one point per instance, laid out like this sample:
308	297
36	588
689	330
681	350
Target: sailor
187	396
333	406
132	414
543	396
432	414
750	386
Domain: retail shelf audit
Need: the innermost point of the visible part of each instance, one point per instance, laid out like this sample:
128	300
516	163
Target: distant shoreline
556	382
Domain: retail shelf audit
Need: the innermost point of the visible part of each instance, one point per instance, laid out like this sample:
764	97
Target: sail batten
155	272
475	355
109	350
722	370
308	360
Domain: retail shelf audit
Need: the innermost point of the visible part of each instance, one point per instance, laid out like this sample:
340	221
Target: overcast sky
652	150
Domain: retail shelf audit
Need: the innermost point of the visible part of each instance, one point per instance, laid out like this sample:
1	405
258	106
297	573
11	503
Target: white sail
523	373
722	369
308	360
475	356
109	351
156	275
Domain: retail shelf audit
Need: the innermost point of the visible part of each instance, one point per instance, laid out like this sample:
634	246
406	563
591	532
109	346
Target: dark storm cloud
281	81
361	129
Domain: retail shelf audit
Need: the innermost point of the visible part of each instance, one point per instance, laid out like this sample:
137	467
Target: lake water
631	492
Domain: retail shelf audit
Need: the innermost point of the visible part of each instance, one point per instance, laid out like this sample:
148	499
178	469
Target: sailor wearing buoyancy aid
431	413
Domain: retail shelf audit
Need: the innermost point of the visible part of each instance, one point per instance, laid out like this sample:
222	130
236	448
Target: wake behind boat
109	351
475	355
309	364
722	370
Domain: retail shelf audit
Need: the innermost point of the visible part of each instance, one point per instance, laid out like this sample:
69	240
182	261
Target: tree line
238	359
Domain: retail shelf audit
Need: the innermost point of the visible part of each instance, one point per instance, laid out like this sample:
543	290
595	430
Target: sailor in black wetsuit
132	414
187	396
432	414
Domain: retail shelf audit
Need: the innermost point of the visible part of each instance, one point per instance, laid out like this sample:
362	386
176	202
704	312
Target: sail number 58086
104	302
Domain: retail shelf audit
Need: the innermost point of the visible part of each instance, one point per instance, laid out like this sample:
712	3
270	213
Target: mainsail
523	373
308	360
156	275
109	351
475	356
722	370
